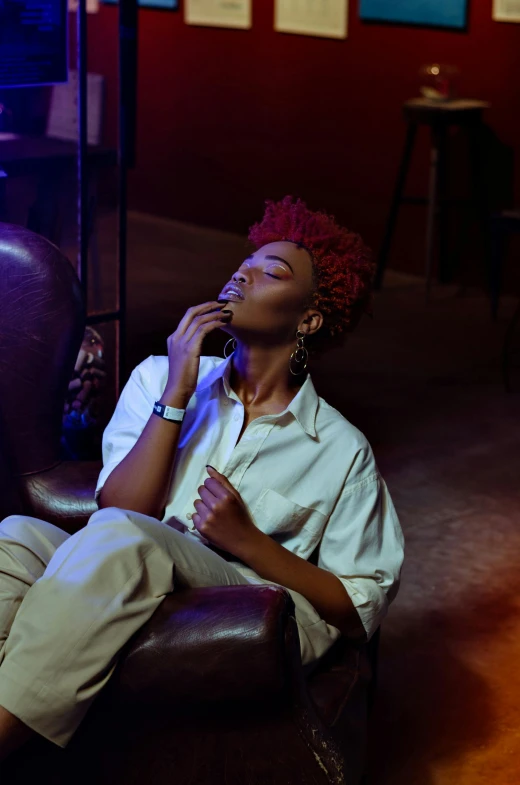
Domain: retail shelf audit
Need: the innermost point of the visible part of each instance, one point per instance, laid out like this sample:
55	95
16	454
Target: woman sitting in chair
216	472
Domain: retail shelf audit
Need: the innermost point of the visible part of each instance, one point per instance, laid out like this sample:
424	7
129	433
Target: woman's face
269	294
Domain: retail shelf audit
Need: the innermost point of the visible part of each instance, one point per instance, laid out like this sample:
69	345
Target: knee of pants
111	552
120	521
25	529
117	516
14	524
113	533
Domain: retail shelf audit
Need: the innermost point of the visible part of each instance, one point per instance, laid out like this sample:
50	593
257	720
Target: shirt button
189	516
226	402
236	417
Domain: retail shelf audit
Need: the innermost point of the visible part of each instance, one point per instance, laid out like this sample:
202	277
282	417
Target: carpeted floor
423	382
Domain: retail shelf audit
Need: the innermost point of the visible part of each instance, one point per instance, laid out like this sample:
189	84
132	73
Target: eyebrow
274	258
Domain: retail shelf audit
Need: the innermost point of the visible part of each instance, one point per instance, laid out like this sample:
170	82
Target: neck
260	375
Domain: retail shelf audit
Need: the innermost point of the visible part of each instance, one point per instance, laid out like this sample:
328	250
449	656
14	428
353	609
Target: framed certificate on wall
218	13
312	17
506	10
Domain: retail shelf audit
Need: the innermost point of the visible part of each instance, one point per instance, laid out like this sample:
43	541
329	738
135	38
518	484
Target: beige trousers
68	604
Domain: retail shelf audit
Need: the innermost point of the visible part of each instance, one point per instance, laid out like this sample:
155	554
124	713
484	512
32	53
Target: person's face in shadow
270	295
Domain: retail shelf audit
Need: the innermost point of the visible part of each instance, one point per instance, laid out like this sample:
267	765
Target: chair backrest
42	319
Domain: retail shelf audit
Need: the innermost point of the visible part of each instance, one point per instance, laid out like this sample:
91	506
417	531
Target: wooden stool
439	116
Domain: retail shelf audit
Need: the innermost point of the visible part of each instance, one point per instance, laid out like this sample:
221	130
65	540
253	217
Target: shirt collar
220	371
303	407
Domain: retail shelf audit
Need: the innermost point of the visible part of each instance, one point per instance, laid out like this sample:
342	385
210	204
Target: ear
311	322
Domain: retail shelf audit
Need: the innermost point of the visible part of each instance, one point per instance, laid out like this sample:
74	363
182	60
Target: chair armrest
212	645
63	495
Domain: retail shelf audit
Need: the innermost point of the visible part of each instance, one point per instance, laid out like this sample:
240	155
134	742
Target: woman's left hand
222	517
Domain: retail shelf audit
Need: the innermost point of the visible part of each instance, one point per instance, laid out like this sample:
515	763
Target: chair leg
446	268
479	187
396	201
432	205
495	261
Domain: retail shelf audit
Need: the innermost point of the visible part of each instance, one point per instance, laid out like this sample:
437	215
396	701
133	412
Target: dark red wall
227	118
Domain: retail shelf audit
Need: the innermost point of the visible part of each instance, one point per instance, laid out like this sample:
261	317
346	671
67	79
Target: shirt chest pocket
275	514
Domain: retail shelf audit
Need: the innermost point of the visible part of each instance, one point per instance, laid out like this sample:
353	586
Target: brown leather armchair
212	690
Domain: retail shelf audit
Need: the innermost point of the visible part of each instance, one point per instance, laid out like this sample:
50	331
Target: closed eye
273	276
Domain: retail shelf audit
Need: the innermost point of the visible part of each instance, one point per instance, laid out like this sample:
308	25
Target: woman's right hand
184	348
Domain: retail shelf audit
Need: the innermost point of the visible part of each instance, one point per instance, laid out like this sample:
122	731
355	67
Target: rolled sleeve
132	412
363	546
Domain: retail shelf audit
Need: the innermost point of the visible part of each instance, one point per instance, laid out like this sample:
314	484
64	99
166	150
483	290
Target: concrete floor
423	382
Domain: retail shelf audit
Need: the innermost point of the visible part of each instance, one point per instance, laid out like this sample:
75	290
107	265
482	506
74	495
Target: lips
232	293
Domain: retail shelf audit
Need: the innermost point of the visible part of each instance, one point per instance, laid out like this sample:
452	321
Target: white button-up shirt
307	476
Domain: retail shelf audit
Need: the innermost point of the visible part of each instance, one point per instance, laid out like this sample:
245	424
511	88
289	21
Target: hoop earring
300	355
226	353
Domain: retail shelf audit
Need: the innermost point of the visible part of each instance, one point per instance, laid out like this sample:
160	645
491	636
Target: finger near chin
198	330
211	305
195	311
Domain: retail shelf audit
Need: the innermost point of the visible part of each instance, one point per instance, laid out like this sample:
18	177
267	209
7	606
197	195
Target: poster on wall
324	18
436	13
506	10
218	13
168	5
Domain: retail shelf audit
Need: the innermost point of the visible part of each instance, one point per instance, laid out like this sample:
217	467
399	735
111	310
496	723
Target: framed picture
327	19
219	13
434	13
169	5
506	10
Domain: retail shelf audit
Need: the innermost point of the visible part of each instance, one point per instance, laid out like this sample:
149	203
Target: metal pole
121	283
83	190
126	154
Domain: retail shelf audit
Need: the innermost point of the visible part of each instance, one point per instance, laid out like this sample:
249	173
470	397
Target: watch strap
168	412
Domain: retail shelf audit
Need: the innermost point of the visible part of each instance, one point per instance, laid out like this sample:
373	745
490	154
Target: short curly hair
342	264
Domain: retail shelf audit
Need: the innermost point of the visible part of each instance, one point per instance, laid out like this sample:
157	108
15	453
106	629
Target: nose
238	277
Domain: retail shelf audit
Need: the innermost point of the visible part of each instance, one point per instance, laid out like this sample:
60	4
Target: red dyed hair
342	264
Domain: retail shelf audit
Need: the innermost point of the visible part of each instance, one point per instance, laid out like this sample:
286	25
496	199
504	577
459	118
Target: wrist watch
168	412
